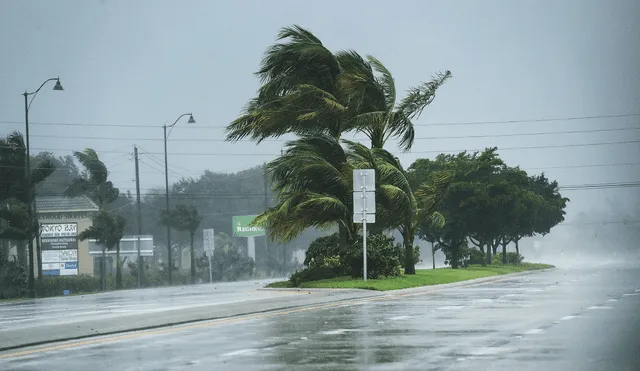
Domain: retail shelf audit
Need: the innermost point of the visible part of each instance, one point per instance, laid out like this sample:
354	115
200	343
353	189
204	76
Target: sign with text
59	243
241	228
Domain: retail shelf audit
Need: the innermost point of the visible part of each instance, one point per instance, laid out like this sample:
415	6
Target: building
62	219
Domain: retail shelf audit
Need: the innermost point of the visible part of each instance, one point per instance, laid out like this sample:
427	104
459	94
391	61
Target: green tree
307	89
93	181
185	218
107	229
16	198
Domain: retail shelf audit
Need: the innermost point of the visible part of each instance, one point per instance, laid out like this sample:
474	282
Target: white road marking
599	307
240	352
566	318
612	300
634	294
486	351
398	318
534	331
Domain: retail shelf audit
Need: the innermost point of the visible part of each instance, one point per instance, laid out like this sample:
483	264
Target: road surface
564	319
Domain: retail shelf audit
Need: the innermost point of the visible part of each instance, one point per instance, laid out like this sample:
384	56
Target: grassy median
423	277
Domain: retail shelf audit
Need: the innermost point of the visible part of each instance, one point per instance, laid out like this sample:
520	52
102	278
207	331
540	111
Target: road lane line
228	320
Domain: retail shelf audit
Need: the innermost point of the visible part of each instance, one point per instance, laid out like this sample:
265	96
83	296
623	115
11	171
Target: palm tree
16	198
93	182
185	218
307	89
313	182
107	230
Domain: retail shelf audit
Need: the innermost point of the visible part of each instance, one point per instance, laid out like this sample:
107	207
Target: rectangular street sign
209	241
59	242
364	178
241	228
359	203
371	218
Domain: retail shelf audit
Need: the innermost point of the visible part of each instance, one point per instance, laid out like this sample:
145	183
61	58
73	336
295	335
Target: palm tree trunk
490	250
118	268
409	263
482	245
517	247
433	255
193	258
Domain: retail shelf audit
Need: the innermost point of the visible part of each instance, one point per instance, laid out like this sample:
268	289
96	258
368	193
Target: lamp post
30	198
166	187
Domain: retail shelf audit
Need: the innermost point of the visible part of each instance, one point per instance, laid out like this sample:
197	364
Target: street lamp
30	198
166	187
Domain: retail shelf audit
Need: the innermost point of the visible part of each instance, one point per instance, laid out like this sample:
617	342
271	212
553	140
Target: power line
362	139
398	153
538	120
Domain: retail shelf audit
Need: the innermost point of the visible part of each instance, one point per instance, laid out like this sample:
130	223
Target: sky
129	67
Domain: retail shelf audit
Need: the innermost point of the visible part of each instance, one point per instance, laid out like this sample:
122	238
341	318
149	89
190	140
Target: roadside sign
241	226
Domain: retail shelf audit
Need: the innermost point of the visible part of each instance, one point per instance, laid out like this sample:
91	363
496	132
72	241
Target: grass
423	277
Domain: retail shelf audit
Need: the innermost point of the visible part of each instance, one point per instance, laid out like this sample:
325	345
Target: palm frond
418	98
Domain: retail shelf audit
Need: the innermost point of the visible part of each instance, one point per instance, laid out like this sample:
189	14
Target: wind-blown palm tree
93	182
308	89
16	198
107	230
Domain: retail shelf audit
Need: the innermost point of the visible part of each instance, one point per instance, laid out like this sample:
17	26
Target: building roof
61	204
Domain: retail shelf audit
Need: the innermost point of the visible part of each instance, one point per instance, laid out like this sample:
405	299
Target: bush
13	279
382	258
322	248
512	258
475	256
315	273
55	285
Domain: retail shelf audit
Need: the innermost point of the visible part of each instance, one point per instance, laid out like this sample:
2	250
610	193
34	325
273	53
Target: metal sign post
209	247
364	205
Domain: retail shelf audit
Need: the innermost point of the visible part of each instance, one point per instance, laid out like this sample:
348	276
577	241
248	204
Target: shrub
13	279
475	256
55	285
322	248
512	258
382	258
315	273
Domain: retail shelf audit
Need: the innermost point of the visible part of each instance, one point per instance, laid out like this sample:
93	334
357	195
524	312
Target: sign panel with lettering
241	226
59	243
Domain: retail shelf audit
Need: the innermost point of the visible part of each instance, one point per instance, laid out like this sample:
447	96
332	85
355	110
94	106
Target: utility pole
139	210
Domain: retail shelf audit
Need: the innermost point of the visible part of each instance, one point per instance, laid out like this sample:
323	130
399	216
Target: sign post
241	228
209	247
364	205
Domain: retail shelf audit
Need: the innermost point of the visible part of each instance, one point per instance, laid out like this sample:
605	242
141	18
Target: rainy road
556	320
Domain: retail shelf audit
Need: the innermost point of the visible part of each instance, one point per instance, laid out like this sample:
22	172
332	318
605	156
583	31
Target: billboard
241	228
59	243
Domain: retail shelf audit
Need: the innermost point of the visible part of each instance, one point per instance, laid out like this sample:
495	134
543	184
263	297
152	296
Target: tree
307	89
13	177
185	218
93	181
107	229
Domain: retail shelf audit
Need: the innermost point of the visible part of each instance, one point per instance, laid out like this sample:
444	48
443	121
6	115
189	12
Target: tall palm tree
308	89
94	183
107	229
16	197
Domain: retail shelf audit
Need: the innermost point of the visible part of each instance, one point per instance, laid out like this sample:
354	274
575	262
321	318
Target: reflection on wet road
558	320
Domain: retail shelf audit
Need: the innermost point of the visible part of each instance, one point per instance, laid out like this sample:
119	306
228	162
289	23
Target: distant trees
488	204
184	218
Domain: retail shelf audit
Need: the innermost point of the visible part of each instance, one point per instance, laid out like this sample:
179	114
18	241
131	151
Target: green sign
241	228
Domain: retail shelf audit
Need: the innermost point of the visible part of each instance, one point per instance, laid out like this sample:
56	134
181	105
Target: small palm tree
185	218
107	230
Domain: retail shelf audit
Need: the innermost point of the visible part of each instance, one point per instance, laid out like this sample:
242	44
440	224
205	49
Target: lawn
423	277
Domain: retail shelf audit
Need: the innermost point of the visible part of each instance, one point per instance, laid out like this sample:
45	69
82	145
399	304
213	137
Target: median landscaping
423	277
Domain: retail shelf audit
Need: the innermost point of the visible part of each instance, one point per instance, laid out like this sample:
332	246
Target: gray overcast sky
143	63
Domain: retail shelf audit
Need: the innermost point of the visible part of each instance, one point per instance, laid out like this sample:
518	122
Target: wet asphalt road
578	319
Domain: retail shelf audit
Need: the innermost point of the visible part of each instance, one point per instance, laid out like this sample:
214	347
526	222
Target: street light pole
166	190
30	198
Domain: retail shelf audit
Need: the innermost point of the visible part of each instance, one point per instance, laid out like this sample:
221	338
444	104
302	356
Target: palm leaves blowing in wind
317	95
